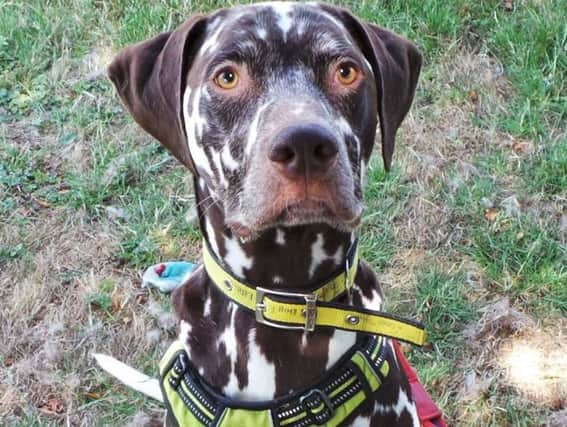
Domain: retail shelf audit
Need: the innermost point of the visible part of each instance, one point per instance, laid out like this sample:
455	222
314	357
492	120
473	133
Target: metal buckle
312	400
310	310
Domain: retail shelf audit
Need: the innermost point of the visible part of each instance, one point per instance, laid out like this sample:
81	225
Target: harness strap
307	310
354	380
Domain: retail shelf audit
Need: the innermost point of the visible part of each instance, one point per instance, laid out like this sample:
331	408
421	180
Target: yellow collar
307	310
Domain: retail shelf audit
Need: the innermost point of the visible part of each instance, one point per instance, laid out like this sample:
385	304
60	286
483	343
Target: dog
274	108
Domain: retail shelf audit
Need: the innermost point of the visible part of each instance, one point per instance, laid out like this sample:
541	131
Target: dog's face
278	103
276	107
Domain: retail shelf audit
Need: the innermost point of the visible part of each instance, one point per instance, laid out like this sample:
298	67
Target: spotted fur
265	227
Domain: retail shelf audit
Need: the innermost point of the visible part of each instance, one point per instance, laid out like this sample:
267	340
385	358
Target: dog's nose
304	150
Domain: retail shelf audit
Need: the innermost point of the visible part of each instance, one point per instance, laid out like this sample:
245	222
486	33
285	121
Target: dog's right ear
150	79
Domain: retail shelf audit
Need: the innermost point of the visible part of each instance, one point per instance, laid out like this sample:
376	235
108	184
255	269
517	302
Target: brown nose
304	150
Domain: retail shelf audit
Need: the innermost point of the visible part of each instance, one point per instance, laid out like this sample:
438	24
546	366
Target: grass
473	213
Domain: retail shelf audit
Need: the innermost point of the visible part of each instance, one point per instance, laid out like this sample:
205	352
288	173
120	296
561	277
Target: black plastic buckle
318	406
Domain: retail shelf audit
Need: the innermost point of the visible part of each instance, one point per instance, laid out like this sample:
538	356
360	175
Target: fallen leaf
41	203
93	395
53	406
523	147
491	214
127	320
473	96
116	303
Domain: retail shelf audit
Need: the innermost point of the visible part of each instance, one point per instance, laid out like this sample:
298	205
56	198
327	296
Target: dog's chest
248	361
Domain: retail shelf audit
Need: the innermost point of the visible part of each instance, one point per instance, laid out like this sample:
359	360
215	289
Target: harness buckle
318	406
310	310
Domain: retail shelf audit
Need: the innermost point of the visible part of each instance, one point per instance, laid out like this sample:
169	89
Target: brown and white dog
274	108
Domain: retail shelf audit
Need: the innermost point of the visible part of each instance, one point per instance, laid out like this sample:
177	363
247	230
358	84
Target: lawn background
468	232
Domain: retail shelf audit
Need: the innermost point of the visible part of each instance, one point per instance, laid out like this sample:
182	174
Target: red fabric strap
429	414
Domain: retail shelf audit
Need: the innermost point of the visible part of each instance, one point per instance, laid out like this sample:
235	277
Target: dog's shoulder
188	300
370	290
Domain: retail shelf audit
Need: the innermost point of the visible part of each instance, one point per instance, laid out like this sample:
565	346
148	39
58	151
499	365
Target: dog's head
273	106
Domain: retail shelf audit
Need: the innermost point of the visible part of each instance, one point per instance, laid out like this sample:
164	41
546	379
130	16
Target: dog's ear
396	64
150	77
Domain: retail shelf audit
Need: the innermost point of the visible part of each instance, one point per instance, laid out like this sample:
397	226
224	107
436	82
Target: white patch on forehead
194	125
339	344
278	280
236	258
280	236
319	255
283	10
253	132
227	159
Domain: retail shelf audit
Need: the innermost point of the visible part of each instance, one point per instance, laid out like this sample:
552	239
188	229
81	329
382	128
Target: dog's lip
300	212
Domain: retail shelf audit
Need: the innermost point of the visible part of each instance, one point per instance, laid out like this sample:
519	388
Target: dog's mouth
300	212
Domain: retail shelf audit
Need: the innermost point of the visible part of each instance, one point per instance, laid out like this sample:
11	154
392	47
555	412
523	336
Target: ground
467	233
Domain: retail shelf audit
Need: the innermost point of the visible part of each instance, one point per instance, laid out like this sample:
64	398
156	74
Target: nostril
282	154
325	151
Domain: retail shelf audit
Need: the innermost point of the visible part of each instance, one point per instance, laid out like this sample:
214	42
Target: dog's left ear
396	64
150	76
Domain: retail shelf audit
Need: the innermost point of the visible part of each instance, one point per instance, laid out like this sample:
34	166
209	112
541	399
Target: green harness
353	380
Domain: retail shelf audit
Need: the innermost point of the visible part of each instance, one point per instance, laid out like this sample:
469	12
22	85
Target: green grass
68	151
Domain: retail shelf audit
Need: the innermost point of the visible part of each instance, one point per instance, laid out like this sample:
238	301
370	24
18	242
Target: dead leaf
509	5
53	406
116	303
473	96
127	321
523	147
41	203
93	395
491	214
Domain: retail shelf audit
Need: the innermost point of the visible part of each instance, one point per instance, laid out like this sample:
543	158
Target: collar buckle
310	310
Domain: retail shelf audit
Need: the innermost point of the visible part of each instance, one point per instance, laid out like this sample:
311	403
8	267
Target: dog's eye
227	78
346	74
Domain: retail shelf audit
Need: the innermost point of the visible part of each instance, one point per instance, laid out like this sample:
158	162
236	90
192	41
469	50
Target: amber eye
227	78
346	74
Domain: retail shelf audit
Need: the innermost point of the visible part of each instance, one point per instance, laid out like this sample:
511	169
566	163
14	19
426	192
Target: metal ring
352	319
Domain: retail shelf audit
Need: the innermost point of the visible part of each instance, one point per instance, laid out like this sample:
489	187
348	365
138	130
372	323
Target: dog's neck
233	353
283	257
